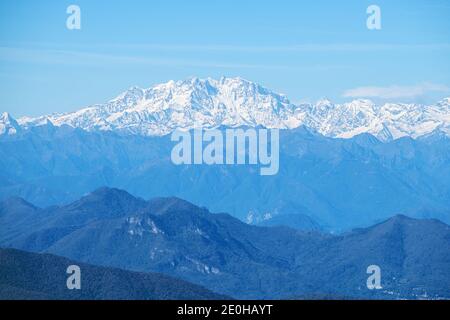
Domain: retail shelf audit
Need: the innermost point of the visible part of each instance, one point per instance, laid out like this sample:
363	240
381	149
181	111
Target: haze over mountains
338	183
110	227
210	103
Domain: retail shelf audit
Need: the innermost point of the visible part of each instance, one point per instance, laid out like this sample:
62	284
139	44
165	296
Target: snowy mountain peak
210	103
323	102
8	125
444	103
5	117
131	93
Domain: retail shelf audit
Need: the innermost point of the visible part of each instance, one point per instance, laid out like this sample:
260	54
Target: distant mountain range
110	227
342	166
337	184
231	102
32	276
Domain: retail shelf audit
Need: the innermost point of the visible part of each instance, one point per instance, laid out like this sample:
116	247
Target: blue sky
305	49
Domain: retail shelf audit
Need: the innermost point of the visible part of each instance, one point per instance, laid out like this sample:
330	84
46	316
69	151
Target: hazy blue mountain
175	237
338	183
25	275
295	221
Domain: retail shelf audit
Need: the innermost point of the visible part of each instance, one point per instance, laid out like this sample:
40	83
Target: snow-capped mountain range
232	102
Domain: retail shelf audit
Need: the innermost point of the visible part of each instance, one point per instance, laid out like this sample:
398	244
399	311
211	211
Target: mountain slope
338	183
184	104
8	125
25	275
231	102
404	248
217	251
